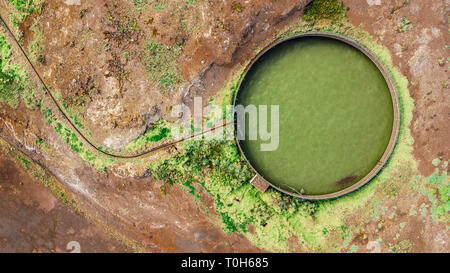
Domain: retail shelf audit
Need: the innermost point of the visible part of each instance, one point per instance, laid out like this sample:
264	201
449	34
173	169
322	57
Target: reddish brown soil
175	221
32	219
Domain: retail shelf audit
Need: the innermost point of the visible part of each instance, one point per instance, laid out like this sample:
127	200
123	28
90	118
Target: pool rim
395	123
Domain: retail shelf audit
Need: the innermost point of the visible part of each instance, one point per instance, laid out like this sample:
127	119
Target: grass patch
437	188
26	163
99	162
325	9
220	169
158	131
13	81
125	27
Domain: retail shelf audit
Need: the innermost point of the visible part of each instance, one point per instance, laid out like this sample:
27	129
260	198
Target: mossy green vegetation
12	76
37	172
437	188
24	8
325	9
124	26
94	158
75	105
157	131
190	17
160	4
237	202
404	25
26	163
160	61
294	165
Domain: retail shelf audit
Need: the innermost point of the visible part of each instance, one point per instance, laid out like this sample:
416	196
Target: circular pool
338	115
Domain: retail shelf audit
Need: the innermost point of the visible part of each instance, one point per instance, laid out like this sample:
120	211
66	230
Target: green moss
124	26
353	249
96	160
26	163
404	25
236	7
437	188
28	6
13	80
158	131
145	5
219	168
73	106
325	9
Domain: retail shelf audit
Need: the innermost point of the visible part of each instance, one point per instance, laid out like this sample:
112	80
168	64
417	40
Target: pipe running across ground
47	91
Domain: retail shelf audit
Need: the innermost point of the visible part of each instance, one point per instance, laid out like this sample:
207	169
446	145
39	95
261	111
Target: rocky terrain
117	68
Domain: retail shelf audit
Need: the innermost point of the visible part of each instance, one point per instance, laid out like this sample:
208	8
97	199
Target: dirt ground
122	101
32	219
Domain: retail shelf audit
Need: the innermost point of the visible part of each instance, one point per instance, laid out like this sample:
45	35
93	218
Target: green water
335	111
